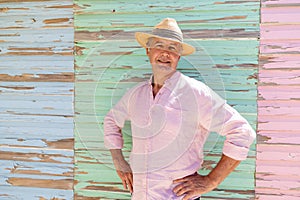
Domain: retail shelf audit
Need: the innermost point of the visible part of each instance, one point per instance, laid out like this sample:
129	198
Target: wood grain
37	89
108	61
278	161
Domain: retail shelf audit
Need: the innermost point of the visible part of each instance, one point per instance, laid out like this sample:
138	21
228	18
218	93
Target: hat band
165	33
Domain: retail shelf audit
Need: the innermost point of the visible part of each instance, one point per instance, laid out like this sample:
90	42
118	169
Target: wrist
213	180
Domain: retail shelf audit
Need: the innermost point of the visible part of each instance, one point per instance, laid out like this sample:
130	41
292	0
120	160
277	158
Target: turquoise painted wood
108	61
37	93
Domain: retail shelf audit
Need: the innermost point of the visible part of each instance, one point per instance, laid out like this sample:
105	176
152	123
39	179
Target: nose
165	53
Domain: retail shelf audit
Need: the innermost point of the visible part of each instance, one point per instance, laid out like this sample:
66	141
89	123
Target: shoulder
195	85
136	89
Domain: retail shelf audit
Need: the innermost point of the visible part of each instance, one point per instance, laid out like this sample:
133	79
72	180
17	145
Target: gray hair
149	42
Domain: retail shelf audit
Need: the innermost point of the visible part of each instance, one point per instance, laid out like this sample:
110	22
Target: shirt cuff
235	152
112	143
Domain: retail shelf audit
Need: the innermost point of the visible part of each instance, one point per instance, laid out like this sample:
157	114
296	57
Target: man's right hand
123	169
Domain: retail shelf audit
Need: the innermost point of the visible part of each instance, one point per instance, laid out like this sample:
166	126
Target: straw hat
167	29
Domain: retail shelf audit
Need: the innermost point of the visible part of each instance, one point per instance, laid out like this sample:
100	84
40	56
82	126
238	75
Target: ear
147	51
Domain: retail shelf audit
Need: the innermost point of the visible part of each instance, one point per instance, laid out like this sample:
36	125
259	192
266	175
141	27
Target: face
164	55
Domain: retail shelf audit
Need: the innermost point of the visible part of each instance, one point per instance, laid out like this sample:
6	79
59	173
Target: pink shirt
169	132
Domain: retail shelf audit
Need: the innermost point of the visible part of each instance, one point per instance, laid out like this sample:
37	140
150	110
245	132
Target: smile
164	61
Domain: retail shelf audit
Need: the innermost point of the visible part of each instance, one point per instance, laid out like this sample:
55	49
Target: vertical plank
37	88
278	160
108	61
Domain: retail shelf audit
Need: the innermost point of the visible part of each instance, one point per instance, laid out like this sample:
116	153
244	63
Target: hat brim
142	39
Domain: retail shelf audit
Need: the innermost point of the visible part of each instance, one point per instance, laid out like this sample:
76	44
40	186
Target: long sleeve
114	122
219	117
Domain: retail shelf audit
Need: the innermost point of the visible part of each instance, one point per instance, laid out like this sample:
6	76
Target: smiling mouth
164	61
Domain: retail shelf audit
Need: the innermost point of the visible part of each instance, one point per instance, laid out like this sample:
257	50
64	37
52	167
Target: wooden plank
277	165
36	116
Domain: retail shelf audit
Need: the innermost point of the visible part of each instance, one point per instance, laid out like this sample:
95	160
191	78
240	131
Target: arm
219	117
113	139
196	184
123	169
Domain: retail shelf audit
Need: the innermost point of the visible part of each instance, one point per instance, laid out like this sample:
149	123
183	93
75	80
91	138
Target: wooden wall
38	104
36	99
278	151
108	61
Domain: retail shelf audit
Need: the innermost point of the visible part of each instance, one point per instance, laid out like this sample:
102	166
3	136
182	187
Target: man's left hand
193	186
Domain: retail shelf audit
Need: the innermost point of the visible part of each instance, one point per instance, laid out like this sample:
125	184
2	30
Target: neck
155	88
158	82
159	79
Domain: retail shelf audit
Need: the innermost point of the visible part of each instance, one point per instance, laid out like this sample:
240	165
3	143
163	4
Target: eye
172	48
158	45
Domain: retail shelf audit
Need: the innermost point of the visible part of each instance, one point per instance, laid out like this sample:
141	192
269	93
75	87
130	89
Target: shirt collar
171	82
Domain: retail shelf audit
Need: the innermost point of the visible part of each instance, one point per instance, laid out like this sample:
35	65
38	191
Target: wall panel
36	99
108	61
278	160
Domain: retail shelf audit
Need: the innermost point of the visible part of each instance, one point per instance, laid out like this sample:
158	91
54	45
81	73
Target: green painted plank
109	61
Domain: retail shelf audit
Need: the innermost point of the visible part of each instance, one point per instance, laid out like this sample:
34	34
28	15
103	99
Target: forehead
164	41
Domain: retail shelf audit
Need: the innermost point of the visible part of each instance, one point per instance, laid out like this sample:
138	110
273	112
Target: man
171	116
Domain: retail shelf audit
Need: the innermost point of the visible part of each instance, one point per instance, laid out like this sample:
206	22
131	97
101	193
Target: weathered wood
37	89
278	160
108	61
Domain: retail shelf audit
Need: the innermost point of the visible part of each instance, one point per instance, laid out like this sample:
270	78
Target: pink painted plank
290	187
278	2
279	10
273	197
278	148
283	64
278	103
280	32
287	173
291	111
269	137
279	118
282	77
283	125
276	155
279	46
280	61
279	92
266	165
280	15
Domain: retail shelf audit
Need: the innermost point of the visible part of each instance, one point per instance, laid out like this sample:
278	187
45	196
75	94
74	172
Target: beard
162	68
162	71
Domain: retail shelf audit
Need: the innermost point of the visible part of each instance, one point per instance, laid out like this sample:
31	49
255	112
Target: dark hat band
165	33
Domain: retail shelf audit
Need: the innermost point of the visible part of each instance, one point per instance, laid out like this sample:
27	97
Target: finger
188	196
124	184
183	190
184	179
180	180
129	181
180	186
131	188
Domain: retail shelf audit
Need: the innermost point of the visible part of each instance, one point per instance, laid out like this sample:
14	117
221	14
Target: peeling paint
108	61
63	77
65	184
278	160
36	113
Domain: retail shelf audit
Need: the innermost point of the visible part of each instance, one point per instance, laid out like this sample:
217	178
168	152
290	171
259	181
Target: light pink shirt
169	132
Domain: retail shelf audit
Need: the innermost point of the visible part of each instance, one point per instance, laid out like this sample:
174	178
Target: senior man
171	116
